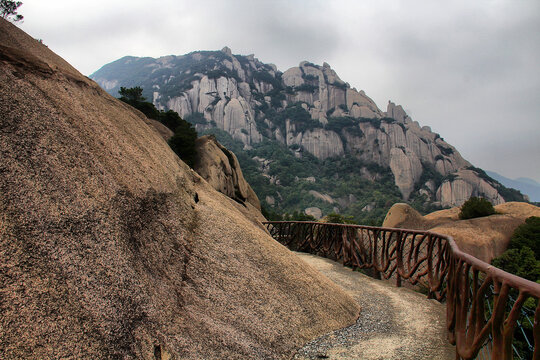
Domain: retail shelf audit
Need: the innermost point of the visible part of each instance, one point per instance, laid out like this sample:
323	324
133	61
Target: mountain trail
394	323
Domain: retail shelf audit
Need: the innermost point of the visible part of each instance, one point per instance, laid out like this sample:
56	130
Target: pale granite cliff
252	101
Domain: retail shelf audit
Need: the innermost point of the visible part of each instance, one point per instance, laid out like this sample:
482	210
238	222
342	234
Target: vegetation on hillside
183	140
335	218
287	179
522	256
271	215
508	194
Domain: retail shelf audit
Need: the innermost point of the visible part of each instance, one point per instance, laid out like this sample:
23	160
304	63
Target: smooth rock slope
111	247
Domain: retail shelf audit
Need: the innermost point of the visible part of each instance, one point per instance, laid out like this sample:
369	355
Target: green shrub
306	87
522	257
183	140
519	262
445	151
342	86
335	218
476	207
195	118
298	216
310	77
343	107
528	235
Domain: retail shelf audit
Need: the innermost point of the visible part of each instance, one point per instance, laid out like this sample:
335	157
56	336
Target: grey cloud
466	68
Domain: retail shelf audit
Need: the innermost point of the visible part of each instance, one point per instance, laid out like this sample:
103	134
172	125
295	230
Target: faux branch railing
485	305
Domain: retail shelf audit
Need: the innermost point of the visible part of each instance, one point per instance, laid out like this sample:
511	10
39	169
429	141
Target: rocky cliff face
307	108
112	248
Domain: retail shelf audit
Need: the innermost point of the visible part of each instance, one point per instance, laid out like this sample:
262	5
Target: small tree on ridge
8	10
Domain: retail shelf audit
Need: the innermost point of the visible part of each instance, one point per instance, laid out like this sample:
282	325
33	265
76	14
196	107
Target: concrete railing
490	313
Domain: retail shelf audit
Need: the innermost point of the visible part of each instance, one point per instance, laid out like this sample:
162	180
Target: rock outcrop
220	168
484	237
404	216
407	170
314	211
164	131
319	142
465	184
112	247
310	108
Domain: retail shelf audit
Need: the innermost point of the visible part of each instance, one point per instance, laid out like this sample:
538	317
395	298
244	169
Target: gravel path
394	323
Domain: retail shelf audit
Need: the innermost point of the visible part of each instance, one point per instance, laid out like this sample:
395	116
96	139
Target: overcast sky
468	69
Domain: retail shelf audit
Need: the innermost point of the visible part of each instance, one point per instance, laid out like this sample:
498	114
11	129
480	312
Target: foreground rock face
485	237
111	247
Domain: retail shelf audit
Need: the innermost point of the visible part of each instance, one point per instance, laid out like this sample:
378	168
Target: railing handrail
511	279
465	276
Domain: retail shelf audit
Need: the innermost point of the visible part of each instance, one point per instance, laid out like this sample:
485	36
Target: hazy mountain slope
528	181
528	187
312	112
111	247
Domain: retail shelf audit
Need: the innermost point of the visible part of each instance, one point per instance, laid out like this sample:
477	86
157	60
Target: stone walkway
394	323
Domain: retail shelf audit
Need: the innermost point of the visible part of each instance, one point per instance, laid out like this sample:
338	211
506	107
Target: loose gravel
394	323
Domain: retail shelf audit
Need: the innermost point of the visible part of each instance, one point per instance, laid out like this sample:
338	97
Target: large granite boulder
484	237
112	248
221	169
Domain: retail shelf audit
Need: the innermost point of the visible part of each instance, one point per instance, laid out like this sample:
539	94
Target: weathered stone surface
220	168
407	170
362	112
485	237
319	142
227	51
467	184
293	77
396	112
164	131
324	197
314	211
181	105
112	247
234	113
361	101
403	216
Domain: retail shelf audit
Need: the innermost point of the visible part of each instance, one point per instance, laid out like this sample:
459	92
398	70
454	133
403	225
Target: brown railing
490	313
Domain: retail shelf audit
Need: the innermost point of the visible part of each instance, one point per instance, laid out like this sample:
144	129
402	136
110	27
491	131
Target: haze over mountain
321	127
529	187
